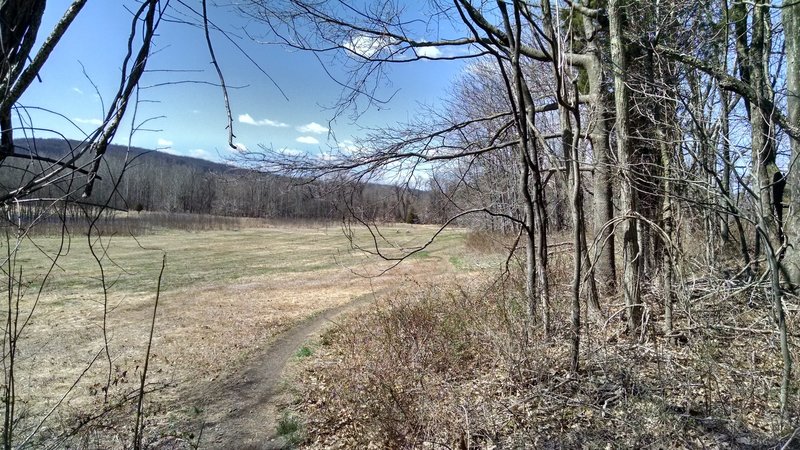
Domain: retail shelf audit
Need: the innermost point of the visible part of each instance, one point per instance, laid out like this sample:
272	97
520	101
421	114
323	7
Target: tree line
135	179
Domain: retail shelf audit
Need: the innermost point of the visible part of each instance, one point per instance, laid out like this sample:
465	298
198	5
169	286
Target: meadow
225	294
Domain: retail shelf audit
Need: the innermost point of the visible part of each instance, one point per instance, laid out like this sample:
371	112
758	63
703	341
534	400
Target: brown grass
225	294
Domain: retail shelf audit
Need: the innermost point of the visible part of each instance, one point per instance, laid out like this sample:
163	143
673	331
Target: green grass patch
422	254
290	429
304	352
287	424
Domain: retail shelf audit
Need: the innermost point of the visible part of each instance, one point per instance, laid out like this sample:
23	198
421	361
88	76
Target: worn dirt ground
246	405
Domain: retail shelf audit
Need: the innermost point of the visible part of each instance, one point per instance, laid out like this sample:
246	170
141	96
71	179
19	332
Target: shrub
459	367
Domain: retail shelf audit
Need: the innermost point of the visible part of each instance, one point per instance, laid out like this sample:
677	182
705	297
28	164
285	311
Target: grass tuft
287	425
290	430
304	352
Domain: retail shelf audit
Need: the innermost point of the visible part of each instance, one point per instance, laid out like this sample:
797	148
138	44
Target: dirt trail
241	409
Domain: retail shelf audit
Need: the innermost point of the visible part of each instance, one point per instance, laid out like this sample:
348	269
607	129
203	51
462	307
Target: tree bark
665	119
569	145
791	265
791	26
764	168
539	202
630	243
535	208
725	132
605	266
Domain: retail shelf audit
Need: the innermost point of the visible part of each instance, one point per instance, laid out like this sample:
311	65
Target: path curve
241	411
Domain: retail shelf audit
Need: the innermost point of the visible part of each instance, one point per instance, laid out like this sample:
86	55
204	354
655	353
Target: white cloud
248	119
199	153
366	46
307	140
164	142
347	146
239	147
77	90
169	150
312	127
95	122
429	52
291	151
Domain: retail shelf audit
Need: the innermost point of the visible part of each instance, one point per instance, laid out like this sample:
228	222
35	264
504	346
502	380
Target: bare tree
674	108
57	186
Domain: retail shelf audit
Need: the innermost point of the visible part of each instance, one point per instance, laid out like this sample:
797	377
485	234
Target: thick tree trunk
630	243
605	267
764	168
665	120
791	26
791	265
764	134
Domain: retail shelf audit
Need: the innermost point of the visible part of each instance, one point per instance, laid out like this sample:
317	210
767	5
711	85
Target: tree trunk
569	145
530	237
578	237
764	167
725	134
539	202
630	243
726	164
791	26
665	120
535	208
605	267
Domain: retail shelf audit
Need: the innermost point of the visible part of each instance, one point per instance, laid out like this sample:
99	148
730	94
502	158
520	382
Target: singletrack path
242	409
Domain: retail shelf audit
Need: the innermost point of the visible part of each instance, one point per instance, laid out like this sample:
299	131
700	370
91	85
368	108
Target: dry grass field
224	295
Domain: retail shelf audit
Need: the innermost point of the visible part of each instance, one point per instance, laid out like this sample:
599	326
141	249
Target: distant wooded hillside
139	179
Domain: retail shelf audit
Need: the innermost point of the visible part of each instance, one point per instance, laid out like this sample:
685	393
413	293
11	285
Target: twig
137	436
791	438
222	84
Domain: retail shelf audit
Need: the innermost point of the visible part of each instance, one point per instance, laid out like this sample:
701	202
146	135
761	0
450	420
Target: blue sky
189	119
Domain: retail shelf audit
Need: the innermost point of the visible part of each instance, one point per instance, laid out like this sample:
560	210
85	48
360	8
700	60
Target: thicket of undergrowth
458	366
